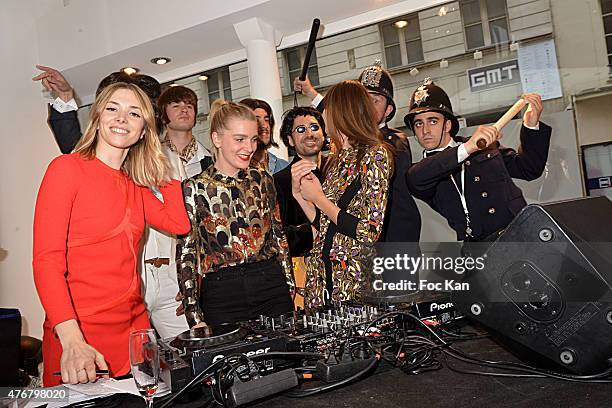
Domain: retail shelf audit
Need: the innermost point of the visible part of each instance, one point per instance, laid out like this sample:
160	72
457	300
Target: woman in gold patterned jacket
347	211
234	264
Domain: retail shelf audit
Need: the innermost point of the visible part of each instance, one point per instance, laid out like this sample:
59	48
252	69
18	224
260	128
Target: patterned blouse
352	246
234	221
188	151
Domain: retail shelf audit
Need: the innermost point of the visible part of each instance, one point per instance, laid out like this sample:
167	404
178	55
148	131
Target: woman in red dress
91	211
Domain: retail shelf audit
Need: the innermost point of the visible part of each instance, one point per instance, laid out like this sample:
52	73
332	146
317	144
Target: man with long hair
265	127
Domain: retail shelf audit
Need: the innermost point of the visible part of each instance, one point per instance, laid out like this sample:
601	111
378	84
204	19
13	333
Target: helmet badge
372	74
421	93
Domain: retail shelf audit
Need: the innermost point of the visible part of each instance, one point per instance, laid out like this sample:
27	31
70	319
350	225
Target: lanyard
468	229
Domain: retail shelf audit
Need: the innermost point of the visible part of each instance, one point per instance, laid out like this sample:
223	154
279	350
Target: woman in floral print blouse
234	264
347	211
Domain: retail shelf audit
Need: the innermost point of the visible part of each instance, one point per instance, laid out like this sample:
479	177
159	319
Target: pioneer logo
440	306
248	354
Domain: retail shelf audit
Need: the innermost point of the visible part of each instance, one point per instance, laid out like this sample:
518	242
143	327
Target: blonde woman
236	242
91	211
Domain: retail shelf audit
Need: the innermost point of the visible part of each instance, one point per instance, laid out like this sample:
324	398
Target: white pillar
260	39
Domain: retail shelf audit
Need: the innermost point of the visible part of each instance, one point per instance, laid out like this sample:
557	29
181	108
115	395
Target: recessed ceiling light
443	11
401	23
174	84
130	70
203	78
160	60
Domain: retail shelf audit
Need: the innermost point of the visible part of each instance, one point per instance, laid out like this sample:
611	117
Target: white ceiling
103	36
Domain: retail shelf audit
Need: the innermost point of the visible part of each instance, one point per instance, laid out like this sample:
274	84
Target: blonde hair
145	162
221	112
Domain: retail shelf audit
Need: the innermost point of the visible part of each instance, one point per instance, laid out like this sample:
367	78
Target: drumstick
503	121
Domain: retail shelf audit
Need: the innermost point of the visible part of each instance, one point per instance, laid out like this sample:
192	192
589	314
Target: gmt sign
494	76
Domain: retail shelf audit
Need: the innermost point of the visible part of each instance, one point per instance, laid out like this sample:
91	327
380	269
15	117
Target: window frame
606	36
402	40
485	23
222	87
301	49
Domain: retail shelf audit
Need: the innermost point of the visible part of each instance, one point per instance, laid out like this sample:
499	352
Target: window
606	11
295	60
218	85
402	41
485	22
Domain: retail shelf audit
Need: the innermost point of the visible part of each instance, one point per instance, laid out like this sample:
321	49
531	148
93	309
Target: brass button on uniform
484	194
492	210
477	179
488	155
467	162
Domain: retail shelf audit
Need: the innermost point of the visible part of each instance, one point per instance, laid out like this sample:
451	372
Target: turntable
192	351
209	336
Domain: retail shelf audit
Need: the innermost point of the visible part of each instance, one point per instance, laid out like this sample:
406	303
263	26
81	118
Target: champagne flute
144	360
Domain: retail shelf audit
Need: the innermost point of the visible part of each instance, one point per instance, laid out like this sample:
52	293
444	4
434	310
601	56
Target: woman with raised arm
91	211
347	211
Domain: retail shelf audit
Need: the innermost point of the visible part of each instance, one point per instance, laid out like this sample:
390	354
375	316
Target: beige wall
581	48
593	119
27	148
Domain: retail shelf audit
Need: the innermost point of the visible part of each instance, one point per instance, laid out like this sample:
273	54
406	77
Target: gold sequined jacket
359	226
234	221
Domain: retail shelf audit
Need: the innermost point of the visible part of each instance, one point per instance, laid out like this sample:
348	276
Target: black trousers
243	292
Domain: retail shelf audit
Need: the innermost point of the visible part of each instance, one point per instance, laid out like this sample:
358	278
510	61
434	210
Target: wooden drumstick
503	121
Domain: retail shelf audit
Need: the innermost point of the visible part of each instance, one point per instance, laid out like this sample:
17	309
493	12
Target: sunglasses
301	129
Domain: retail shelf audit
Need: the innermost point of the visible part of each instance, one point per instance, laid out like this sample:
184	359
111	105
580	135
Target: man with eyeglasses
403	220
263	157
303	131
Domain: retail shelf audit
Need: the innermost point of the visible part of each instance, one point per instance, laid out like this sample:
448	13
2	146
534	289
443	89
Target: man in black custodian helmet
472	188
403	220
378	83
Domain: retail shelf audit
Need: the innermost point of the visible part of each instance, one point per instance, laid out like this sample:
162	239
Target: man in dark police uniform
472	188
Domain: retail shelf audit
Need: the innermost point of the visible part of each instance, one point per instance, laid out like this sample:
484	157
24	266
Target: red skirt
107	331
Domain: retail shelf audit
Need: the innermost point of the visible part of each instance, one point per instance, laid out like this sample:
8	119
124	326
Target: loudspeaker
10	338
546	288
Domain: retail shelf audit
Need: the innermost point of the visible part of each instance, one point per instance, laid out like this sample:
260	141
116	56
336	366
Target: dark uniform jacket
295	223
493	199
65	128
402	220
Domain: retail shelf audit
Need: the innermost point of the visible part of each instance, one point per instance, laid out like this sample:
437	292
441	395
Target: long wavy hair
145	162
261	104
349	111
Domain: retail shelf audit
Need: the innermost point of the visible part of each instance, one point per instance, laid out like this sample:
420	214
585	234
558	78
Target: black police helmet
431	98
377	80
